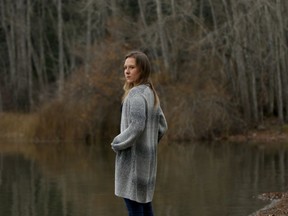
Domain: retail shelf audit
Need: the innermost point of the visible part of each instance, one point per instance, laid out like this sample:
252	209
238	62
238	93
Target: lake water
203	179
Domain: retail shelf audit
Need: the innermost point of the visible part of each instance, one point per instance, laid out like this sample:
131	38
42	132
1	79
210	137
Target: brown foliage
198	115
88	107
197	105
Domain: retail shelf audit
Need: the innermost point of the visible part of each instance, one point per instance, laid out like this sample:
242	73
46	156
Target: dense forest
220	66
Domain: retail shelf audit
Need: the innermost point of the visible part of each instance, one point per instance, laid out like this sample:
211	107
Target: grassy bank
18	126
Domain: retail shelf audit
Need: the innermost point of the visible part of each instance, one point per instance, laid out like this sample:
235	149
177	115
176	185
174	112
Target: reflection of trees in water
53	180
206	179
219	178
18	186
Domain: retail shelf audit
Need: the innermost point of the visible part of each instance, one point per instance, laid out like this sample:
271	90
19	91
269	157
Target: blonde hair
144	66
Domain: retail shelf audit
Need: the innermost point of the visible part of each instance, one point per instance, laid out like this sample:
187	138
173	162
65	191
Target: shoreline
267	135
278	205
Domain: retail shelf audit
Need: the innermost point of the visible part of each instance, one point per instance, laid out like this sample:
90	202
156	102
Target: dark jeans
139	209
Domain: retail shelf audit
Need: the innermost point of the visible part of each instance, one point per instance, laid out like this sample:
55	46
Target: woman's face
131	71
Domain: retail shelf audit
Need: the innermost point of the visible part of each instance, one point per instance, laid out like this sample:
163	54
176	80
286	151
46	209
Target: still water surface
203	179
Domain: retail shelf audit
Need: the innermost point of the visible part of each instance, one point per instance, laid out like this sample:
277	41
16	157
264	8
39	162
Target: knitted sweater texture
142	126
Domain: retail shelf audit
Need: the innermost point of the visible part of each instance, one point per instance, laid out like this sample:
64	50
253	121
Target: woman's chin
129	81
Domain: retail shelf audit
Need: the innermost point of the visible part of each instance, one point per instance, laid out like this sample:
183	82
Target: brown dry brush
89	106
17	126
198	107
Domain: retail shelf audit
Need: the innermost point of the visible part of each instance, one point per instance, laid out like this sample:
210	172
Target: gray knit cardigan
142	126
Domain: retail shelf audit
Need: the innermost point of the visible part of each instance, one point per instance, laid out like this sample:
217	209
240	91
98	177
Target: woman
142	126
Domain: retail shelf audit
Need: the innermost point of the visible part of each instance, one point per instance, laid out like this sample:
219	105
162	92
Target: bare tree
60	48
162	35
88	36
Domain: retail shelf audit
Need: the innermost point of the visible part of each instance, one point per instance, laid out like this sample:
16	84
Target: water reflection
49	179
219	179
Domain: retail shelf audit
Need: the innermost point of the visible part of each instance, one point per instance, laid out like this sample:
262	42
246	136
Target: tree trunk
240	61
162	36
21	57
279	95
282	47
88	37
142	13
29	55
270	67
7	15
60	48
37	50
254	98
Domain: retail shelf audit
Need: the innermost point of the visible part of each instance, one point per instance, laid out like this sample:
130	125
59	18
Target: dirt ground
278	206
263	135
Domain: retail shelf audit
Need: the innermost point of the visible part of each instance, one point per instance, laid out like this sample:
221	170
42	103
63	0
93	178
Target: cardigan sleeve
137	122
162	125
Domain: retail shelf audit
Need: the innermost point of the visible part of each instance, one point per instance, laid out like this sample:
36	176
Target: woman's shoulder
138	90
